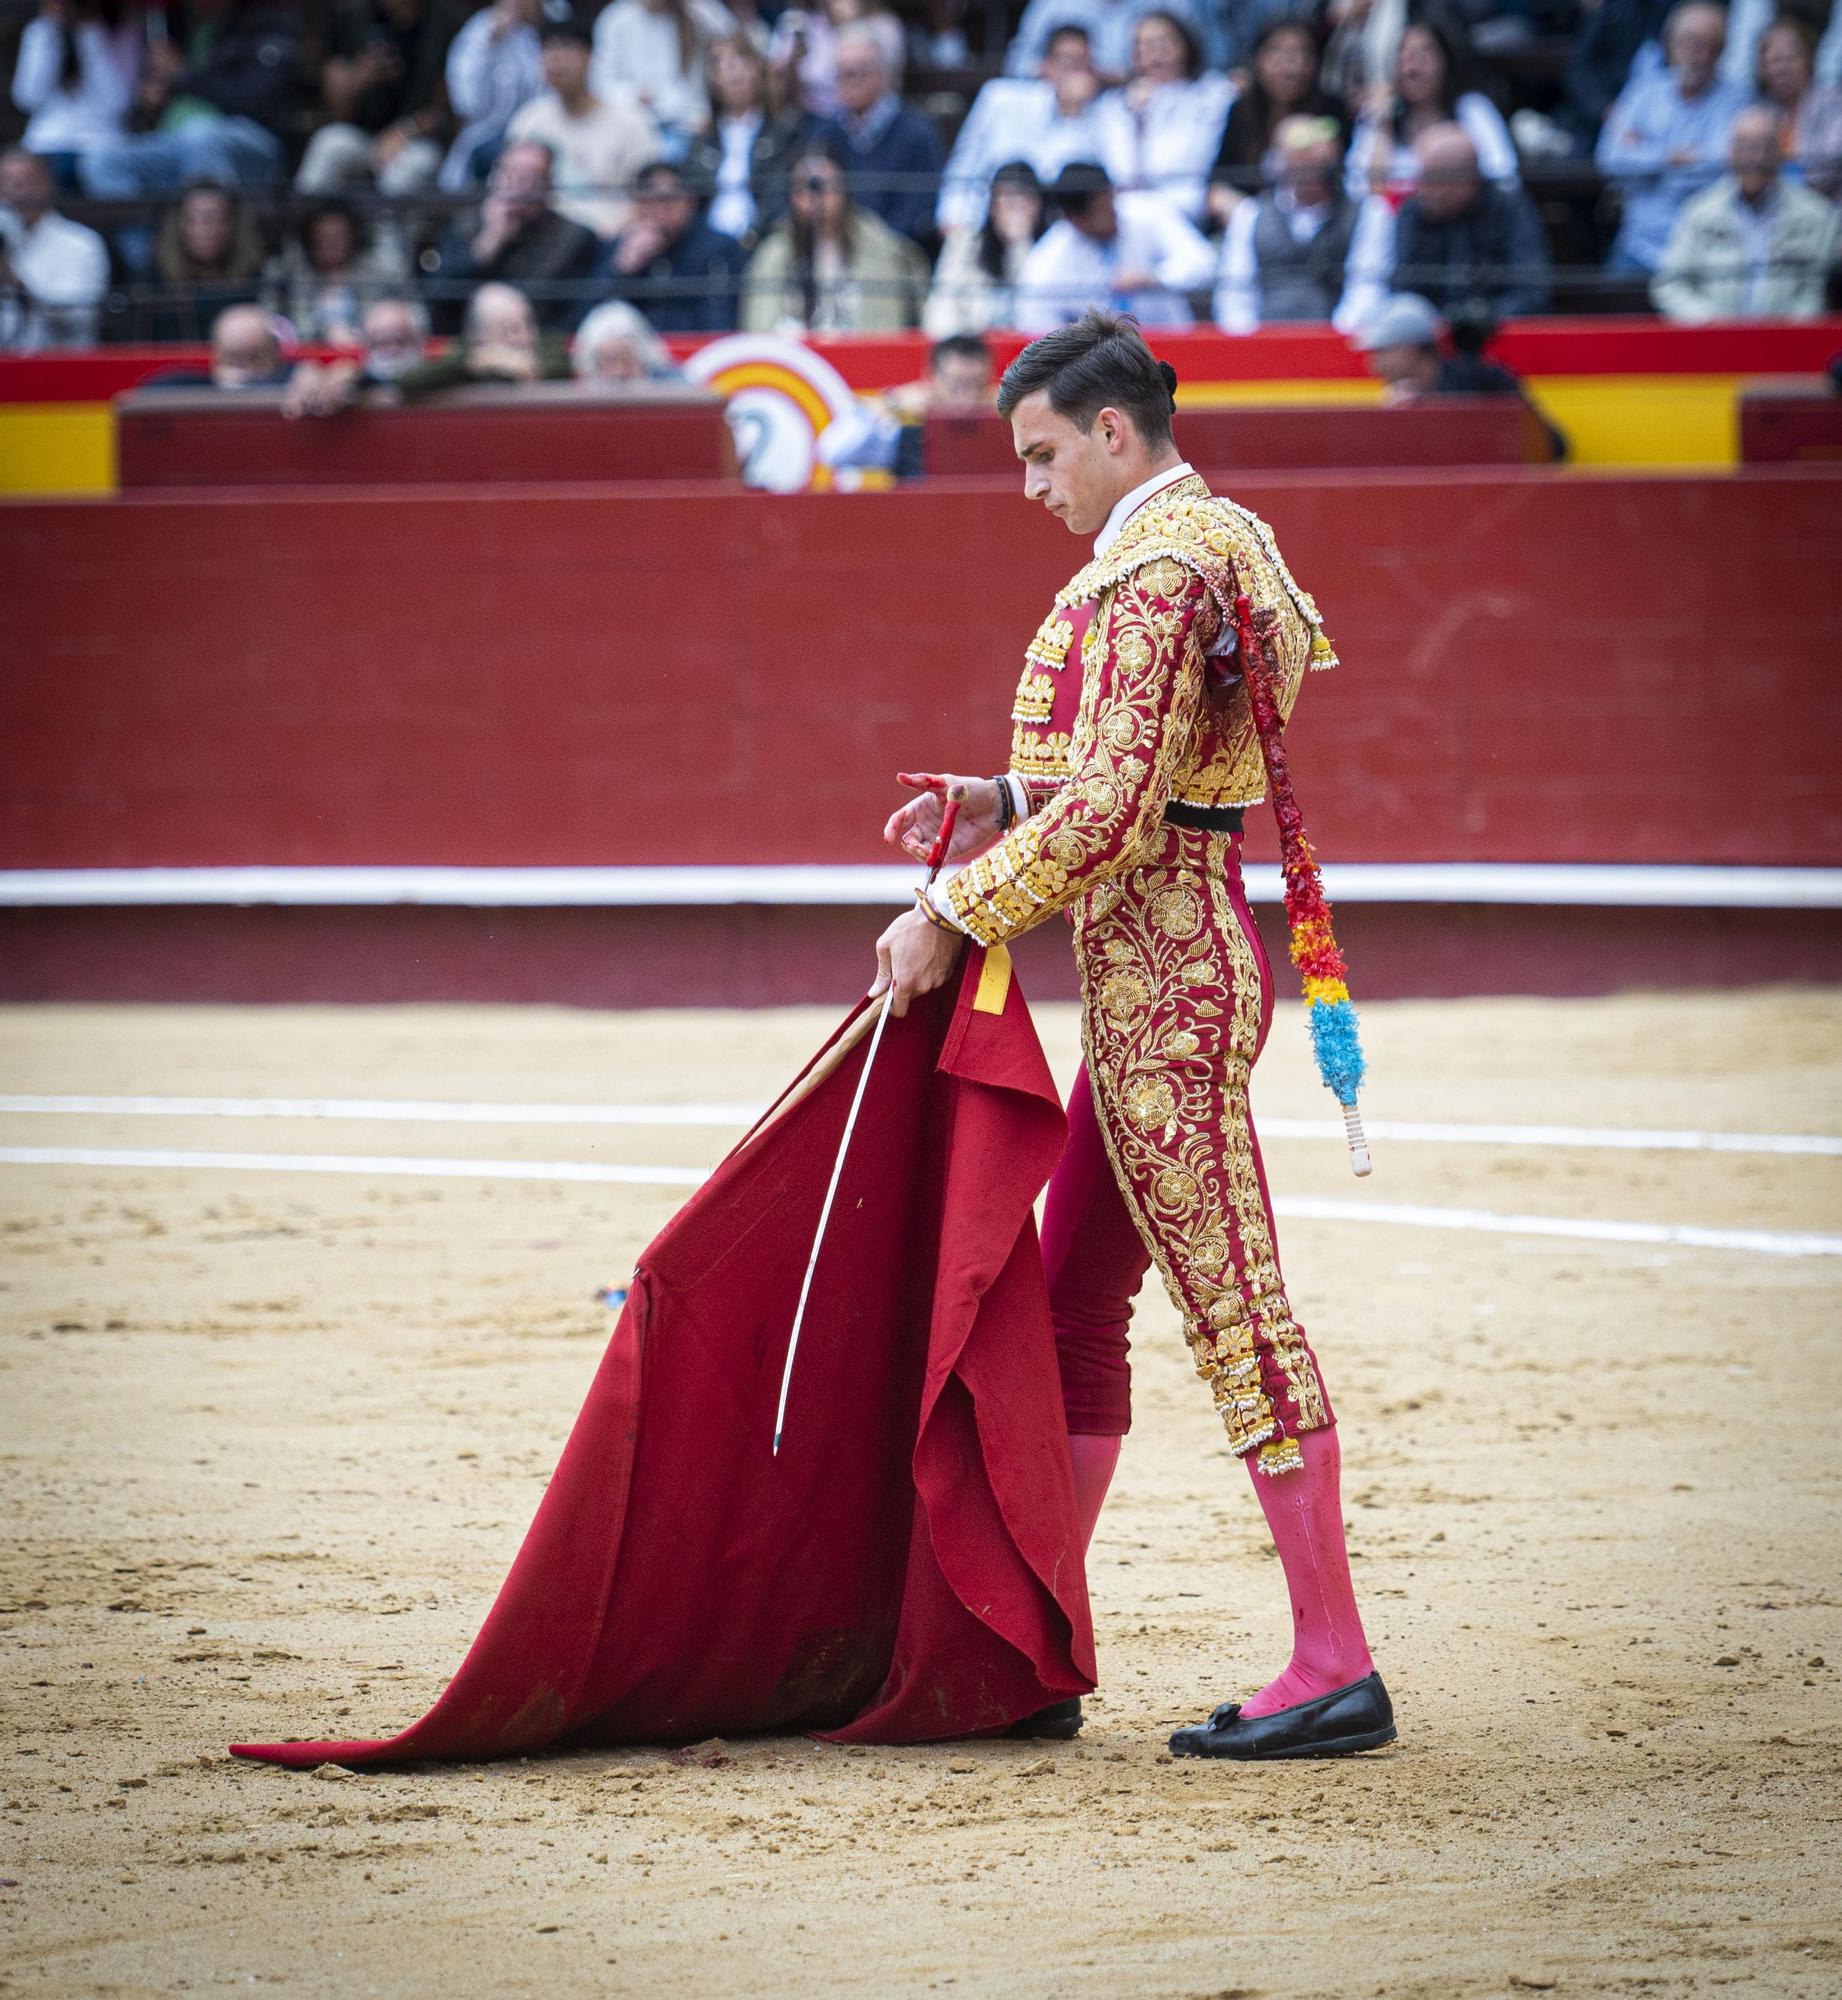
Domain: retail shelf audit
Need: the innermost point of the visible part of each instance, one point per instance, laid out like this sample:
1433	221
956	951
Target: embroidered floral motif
1170	1073
1035	698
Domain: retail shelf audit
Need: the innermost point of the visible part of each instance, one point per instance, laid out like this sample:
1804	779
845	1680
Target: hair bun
1170	380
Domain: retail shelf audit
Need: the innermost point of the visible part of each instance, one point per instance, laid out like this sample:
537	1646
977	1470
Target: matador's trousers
1162	1164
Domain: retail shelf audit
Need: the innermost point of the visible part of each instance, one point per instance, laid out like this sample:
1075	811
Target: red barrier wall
548	431
1539	667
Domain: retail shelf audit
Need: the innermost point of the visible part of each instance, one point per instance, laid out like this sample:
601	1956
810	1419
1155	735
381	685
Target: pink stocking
1094	1460
1304	1512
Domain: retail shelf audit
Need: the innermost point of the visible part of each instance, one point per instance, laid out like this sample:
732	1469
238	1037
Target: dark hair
1254	116
968	346
1452	48
1099	362
310	221
1013	174
1192	42
804	237
568	29
1062	28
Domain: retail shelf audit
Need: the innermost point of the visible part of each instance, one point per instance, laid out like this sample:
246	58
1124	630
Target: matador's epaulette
1225	545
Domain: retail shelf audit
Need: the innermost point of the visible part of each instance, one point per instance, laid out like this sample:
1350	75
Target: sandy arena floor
269	1440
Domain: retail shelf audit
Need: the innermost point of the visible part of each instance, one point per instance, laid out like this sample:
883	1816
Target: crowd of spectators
813	167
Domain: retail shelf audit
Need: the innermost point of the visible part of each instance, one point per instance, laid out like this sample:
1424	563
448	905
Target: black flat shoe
1338	1724
1061	1720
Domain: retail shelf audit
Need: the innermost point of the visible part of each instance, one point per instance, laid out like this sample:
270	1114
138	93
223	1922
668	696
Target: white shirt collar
1124	509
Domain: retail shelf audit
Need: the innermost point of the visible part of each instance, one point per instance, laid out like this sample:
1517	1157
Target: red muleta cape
909	1567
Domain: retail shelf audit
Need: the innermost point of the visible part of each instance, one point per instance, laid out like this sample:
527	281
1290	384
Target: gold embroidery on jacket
1170	1028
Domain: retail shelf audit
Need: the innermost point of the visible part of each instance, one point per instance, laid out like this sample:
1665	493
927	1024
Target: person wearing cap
1407	347
1133	759
1123	252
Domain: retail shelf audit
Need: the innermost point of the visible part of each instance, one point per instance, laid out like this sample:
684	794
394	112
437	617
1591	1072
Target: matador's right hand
916	826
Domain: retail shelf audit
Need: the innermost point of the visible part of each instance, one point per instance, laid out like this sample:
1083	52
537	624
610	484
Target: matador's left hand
914	956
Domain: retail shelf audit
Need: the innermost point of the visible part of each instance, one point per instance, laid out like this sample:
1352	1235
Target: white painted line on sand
1588	1229
353	1163
391	1110
1304	1208
385	1110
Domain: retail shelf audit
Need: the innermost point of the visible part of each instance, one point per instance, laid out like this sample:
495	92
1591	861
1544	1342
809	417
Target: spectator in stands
1304	251
495	65
500	342
1616	41
803	53
1161	130
596	145
614	344
888	434
1044	121
517	237
1460	240
1109	25
79	62
330	272
1666	137
219	93
657	49
746	150
670	263
1811	113
1746	27
245	350
385	99
889	151
1363	39
1283	84
975	282
53	272
1130	252
832	267
1402	343
208	256
393	337
1755	245
1431	86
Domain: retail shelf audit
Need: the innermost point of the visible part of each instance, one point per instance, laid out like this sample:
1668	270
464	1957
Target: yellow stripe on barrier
1660	422
57	448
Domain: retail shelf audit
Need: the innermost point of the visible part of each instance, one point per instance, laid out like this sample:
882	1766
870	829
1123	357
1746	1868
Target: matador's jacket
1122	713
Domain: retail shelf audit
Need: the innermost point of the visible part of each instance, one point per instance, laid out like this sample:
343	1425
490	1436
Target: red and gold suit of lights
1175	988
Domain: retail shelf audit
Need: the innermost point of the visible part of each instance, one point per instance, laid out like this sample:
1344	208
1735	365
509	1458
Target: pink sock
1094	1460
1304	1512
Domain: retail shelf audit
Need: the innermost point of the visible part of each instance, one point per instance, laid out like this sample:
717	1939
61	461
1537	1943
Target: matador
1133	761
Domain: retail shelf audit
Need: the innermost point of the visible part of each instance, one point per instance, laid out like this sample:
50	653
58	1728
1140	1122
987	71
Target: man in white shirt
596	145
1047	121
53	272
1304	251
1126	253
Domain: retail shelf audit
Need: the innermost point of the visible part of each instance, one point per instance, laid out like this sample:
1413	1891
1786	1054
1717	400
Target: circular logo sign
778	397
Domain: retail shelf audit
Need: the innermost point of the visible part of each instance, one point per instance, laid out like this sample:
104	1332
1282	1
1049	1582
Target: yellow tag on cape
994	981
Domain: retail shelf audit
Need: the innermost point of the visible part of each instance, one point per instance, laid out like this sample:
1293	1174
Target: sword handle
1360	1163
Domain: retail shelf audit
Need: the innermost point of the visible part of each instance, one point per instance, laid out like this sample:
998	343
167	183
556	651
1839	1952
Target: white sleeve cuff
936	894
1020	799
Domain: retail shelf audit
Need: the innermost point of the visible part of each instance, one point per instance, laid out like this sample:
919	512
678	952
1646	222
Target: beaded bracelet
1007	804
